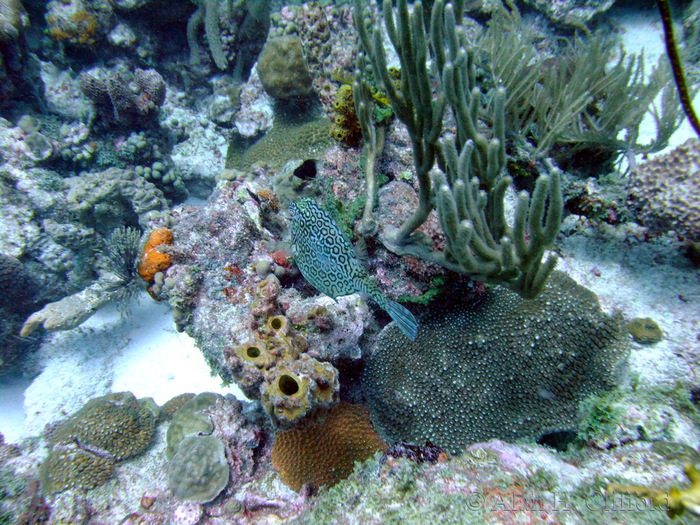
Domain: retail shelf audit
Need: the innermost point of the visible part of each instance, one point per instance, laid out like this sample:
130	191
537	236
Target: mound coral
198	472
323	453
665	192
68	467
210	445
115	424
282	68
86	447
503	367
152	259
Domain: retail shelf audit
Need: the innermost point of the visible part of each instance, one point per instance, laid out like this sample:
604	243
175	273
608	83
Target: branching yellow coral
675	500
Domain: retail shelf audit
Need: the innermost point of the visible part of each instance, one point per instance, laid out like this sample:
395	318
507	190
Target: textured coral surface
503	367
666	191
323	453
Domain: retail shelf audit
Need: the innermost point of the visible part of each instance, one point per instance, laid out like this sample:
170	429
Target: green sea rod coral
503	367
468	191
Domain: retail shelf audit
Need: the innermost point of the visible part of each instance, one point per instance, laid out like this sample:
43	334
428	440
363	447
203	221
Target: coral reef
496	482
235	32
324	452
282	68
210	446
346	126
69	312
13	280
116	426
86	447
198	471
469	189
206	240
122	97
664	191
152	259
275	368
674	501
284	142
78	22
576	14
622	416
13	19
255	115
68	467
533	359
113	198
329	42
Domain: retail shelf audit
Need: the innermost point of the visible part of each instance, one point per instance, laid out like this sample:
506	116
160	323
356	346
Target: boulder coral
282	68
324	452
198	472
665	191
86	447
501	367
211	445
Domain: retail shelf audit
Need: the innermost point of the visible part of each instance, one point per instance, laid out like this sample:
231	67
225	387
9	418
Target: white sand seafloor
140	352
143	353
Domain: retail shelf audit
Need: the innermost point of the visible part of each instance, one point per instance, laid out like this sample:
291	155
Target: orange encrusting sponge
153	261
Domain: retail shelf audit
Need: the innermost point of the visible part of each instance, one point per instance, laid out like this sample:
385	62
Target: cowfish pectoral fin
403	319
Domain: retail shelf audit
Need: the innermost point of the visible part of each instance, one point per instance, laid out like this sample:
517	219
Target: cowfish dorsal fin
361	252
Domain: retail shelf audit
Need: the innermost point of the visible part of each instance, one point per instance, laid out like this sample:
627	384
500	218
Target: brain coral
325	452
504	367
665	192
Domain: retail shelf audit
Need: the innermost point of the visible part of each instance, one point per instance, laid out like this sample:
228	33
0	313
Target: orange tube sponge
152	260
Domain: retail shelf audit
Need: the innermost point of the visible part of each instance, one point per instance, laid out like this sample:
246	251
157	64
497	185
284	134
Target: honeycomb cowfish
327	259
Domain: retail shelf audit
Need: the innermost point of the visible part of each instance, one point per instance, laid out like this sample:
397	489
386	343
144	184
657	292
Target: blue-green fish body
327	259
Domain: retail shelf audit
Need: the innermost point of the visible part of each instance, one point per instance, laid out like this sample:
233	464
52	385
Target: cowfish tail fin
403	319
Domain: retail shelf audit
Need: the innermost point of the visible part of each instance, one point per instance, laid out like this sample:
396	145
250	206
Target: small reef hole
288	385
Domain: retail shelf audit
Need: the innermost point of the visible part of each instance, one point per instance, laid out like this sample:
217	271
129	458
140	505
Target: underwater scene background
324	262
